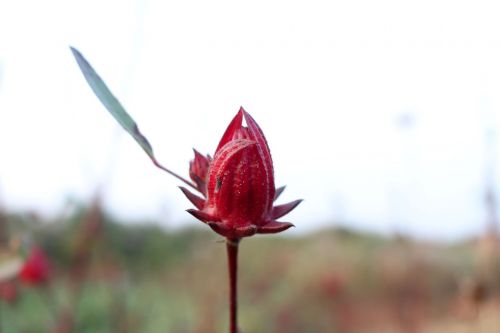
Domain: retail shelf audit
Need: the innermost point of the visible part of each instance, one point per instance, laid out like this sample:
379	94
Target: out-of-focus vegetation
113	277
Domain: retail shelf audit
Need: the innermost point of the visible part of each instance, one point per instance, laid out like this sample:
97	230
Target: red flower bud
36	268
239	184
198	170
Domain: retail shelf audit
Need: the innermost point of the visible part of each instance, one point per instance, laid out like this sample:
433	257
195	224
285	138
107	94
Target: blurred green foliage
142	278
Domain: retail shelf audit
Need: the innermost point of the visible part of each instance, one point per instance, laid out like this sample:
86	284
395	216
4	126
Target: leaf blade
118	112
111	103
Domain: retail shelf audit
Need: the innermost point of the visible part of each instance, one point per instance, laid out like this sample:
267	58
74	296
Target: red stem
187	182
232	261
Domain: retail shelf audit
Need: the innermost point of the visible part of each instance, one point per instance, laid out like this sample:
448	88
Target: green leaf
117	111
111	103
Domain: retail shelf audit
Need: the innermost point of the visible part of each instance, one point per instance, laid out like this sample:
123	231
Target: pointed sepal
282	210
202	216
195	200
274	227
278	192
246	231
222	229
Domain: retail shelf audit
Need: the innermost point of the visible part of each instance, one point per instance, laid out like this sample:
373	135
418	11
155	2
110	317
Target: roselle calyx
238	188
198	170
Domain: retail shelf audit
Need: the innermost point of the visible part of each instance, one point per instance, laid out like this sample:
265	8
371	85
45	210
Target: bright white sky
326	80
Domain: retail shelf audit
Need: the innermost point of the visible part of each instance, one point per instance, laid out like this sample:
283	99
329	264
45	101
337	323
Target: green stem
1	321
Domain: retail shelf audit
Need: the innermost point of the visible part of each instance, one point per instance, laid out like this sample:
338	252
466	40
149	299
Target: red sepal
195	200
274	227
282	210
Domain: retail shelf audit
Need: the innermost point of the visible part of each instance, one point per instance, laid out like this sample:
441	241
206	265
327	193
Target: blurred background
382	115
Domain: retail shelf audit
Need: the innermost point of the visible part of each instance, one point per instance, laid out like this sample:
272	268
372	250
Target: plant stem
232	262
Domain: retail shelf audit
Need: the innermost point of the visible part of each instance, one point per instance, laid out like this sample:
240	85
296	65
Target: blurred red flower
36	268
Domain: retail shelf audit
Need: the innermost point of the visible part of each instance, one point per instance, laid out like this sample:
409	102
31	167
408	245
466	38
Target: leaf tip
75	52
